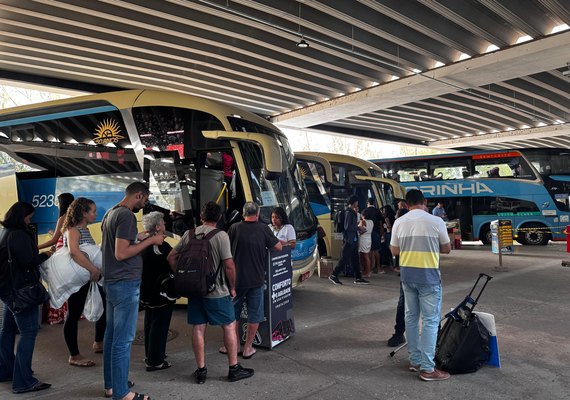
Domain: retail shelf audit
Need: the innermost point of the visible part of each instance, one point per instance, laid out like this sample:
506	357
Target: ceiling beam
521	60
550	131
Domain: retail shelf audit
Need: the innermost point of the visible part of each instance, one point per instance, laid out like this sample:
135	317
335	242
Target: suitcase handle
466	307
487	279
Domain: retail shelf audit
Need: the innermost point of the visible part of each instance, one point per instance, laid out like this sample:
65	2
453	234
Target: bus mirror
271	149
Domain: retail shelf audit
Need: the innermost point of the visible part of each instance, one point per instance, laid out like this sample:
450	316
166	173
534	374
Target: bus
331	179
95	145
530	187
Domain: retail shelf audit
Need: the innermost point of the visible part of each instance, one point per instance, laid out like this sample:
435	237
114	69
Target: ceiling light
525	127
540	123
491	48
438	64
302	44
395	78
464	56
524	38
416	71
560	28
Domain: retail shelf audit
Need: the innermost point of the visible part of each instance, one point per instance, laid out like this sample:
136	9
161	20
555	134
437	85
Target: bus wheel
538	237
485	235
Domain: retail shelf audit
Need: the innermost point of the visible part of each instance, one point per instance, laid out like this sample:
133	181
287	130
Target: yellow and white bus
94	146
331	179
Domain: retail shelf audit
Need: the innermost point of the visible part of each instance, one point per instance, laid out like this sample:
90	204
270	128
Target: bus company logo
107	132
454	189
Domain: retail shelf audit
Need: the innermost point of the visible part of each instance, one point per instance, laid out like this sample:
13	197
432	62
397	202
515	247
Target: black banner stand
278	325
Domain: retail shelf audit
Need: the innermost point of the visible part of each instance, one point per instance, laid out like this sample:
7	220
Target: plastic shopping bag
93	304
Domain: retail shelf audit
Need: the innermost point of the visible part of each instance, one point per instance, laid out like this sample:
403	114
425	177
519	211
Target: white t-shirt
286	233
365	239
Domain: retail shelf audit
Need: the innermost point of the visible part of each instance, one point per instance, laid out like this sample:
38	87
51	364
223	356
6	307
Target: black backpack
196	273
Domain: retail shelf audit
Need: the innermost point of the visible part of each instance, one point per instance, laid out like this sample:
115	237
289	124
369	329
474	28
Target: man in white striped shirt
418	238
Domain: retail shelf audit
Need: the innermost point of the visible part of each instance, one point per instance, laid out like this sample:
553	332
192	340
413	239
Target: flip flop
82	363
222	351
248	357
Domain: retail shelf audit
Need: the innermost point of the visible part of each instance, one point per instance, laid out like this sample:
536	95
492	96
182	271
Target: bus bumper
304	269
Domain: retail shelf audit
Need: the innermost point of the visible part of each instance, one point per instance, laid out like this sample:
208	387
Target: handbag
31	295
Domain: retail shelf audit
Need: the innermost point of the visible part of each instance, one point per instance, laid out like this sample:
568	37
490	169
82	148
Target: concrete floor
339	350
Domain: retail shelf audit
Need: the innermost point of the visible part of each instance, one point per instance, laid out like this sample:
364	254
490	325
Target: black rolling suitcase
463	342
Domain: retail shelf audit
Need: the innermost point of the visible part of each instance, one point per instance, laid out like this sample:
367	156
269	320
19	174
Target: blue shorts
216	311
253	298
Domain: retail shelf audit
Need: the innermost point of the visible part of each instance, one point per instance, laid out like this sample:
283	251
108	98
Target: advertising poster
279	324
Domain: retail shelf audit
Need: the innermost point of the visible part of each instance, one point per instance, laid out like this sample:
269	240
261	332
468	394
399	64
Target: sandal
141	396
84	363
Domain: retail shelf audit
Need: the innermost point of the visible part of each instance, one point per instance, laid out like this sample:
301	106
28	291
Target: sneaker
237	372
396	340
381	271
435	375
414	367
335	280
200	375
361	281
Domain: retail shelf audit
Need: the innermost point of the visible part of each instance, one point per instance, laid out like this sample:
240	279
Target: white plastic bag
64	276
93	304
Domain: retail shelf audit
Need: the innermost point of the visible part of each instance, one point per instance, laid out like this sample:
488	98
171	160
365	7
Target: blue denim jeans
122	313
425	300
18	368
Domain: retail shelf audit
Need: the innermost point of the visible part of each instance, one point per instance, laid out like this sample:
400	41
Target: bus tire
485	234
534	238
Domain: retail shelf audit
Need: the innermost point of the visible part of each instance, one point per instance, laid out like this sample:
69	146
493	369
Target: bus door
317	176
264	153
172	183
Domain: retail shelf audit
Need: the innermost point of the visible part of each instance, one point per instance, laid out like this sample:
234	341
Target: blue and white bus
530	187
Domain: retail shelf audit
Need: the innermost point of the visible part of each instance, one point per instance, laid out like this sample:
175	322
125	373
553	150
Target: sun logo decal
107	132
304	172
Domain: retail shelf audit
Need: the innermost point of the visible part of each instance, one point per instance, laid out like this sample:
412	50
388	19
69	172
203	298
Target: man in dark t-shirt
121	246
250	240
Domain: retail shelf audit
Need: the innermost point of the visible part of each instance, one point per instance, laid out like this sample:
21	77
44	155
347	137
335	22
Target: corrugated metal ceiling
446	73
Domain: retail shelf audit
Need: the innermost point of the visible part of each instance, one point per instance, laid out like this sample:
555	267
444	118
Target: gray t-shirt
220	249
119	223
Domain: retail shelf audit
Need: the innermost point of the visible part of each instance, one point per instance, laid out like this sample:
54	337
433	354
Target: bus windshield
282	192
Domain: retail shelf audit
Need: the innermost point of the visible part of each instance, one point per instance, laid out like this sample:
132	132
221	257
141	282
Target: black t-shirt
250	241
154	266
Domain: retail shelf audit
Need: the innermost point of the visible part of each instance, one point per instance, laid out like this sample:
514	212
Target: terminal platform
339	349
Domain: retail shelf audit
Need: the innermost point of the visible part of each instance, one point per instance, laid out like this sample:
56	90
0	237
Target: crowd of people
138	272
